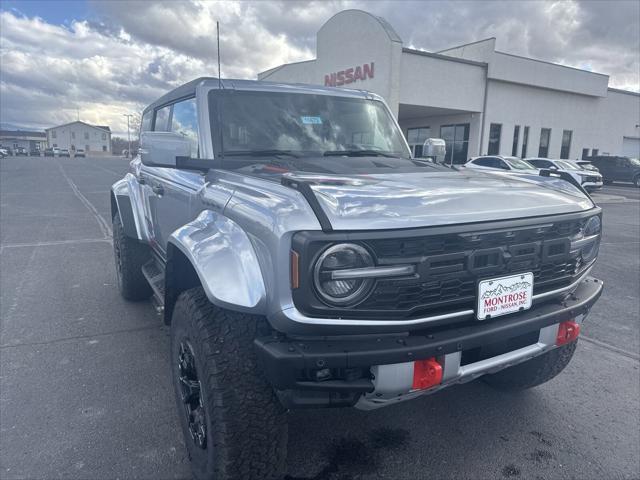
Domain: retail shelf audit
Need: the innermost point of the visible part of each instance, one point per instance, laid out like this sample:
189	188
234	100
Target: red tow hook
426	374
567	332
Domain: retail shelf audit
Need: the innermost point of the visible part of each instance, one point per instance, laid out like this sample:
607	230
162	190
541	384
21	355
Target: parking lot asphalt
85	386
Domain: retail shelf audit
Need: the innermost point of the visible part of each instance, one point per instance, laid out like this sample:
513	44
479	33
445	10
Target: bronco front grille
450	265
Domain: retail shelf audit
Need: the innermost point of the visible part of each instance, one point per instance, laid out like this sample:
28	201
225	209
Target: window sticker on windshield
311	120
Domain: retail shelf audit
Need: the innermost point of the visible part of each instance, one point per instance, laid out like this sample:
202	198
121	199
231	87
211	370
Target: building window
456	138
545	137
594	152
86	148
525	142
495	131
53	134
566	144
104	148
516	137
86	135
585	153
73	135
104	136
55	145
416	138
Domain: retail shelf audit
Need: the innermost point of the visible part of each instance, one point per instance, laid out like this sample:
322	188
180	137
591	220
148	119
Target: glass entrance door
456	138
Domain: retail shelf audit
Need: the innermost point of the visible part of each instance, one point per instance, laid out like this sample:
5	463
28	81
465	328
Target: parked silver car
588	179
503	164
303	259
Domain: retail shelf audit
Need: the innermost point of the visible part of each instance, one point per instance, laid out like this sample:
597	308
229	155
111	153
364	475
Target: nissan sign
349	75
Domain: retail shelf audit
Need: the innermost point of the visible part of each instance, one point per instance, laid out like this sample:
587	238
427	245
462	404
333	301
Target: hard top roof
189	89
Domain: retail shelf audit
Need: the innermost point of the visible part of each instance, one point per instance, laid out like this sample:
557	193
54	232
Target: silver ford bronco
304	259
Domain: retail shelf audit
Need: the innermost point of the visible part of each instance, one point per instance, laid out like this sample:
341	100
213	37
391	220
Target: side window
145	124
185	122
162	119
502	164
483	162
494	162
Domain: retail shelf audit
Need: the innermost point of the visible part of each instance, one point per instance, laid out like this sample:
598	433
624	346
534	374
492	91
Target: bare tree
134	125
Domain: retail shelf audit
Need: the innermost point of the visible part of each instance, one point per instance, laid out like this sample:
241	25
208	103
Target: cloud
130	53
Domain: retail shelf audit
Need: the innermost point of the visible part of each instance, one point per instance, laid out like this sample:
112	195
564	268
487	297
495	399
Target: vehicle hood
392	201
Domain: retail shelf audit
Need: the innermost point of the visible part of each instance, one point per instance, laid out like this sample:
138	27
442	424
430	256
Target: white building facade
28	140
481	101
80	135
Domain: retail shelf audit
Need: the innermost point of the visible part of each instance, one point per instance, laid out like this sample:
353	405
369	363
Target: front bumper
287	361
591	186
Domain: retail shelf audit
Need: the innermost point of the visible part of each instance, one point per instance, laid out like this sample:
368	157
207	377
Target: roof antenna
219	73
219	102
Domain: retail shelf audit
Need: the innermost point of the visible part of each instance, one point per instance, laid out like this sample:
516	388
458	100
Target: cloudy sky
105	58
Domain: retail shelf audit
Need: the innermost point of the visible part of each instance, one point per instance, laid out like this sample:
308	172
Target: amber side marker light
567	332
295	272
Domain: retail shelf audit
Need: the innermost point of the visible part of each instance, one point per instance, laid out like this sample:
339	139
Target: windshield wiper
261	153
358	153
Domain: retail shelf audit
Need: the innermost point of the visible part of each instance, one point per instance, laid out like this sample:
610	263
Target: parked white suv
589	179
505	164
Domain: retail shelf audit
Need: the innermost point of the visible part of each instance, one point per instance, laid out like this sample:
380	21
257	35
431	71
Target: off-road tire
636	181
130	256
533	372
246	428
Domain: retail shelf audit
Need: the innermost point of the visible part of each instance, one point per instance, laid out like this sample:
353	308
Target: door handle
158	189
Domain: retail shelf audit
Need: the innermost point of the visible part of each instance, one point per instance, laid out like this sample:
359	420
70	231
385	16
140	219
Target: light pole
128	115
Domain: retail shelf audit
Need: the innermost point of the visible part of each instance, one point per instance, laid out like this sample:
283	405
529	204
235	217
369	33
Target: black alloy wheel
191	393
117	253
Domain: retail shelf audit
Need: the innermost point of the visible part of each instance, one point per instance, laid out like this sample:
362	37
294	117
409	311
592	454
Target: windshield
302	125
518	164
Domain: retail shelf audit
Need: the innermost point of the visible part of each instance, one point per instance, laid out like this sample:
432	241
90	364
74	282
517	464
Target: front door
621	169
171	191
172	194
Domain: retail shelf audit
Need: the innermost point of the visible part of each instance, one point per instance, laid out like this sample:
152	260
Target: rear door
605	166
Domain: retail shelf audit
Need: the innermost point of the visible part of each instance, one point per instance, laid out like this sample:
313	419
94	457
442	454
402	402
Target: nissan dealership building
480	100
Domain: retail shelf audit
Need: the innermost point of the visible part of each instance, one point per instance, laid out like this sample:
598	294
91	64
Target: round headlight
593	226
338	291
589	250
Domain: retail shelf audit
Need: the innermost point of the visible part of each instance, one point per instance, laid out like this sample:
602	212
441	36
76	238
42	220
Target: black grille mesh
450	266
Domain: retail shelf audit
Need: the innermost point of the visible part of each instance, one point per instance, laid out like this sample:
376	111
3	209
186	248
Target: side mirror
160	149
434	147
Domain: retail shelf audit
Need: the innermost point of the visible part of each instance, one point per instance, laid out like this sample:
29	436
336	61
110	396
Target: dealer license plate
503	295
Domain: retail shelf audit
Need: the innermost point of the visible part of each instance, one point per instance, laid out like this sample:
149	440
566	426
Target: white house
75	135
478	99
